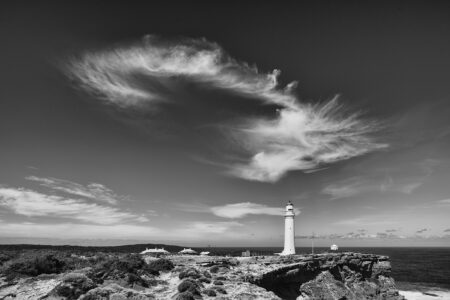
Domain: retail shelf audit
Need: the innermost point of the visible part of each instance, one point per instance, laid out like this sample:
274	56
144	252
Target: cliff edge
351	276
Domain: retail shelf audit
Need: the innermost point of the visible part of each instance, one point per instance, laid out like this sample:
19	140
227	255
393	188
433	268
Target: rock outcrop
351	276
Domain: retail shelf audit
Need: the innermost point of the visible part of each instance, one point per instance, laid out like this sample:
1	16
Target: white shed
187	251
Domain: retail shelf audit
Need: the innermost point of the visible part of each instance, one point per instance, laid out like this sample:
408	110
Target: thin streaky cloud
353	186
94	191
112	73
233	210
370	220
208	227
444	201
368	236
240	210
421	230
30	203
209	231
301	137
69	230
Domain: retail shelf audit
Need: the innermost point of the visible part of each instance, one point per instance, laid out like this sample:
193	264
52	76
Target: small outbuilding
187	251
155	251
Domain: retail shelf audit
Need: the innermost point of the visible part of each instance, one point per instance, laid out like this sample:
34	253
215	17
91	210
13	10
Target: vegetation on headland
91	275
102	265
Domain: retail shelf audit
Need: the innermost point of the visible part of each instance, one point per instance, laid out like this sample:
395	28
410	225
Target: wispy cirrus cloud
208	227
369	220
234	210
95	191
300	137
421	230
186	232
240	210
443	202
352	236
69	230
112	74
305	138
35	204
360	235
360	184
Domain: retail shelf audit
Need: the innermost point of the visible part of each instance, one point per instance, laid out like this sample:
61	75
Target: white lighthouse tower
289	236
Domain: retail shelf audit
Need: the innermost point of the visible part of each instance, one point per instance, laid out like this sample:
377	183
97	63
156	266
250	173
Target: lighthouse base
287	252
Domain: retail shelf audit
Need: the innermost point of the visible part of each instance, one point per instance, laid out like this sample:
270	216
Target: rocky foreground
348	276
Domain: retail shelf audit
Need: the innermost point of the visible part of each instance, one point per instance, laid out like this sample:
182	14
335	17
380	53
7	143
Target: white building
187	251
289	235
155	251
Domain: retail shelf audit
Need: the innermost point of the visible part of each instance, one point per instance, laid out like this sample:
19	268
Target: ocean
420	273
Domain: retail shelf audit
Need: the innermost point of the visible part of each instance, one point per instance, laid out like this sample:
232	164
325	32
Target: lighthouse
289	237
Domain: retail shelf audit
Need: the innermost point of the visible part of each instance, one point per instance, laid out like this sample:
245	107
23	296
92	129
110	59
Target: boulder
381	268
190	273
189	285
324	286
185	296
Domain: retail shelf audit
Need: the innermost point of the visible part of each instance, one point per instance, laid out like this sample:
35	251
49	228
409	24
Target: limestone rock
324	287
29	289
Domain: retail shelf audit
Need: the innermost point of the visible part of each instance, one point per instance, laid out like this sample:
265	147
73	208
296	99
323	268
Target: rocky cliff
351	276
324	276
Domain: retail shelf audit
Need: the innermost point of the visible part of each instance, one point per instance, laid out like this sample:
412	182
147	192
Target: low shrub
209	292
204	280
185	296
4	258
161	264
214	269
34	265
73	286
131	268
127	263
189	273
189	285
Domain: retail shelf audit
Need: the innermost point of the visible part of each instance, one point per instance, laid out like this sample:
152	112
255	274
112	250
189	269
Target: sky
195	124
